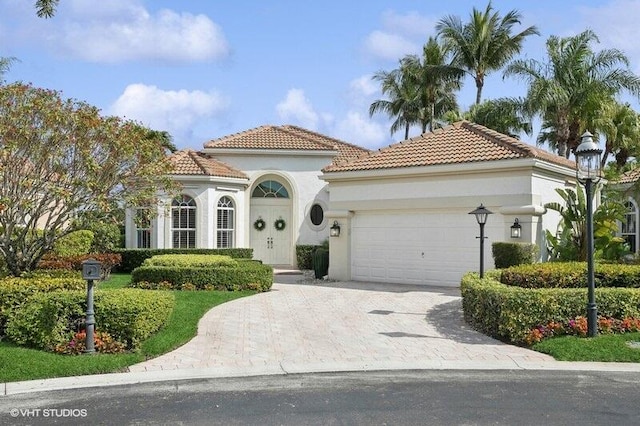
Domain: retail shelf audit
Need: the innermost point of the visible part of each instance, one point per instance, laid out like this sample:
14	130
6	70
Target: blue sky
205	69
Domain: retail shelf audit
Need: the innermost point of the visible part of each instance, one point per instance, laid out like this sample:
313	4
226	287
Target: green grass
19	363
605	348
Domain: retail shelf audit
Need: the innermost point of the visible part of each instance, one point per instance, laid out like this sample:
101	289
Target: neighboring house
402	210
236	183
629	226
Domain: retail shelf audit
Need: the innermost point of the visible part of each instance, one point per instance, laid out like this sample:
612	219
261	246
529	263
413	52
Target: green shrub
190	260
76	243
506	254
106	236
321	262
14	292
509	313
133	258
248	275
571	275
304	255
52	319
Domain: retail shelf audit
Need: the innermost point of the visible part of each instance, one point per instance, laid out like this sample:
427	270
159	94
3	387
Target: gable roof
190	162
631	176
286	137
461	142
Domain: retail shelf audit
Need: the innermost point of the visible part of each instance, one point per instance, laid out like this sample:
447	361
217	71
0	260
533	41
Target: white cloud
174	111
363	86
389	46
297	108
401	34
410	24
359	130
121	31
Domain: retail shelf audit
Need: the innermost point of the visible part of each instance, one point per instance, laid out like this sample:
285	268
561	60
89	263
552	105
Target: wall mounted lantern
334	231
588	172
481	214
516	229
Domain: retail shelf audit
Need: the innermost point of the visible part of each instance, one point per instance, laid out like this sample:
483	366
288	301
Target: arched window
183	222
628	228
143	228
270	189
225	223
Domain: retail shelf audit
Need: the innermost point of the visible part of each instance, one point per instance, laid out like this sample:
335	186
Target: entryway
271	227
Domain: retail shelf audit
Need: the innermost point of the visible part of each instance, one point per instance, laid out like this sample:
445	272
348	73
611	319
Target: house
629	226
403	211
259	188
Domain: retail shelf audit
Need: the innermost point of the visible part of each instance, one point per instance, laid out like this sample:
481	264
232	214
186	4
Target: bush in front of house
506	254
133	258
304	255
571	275
246	275
190	261
75	243
52	319
14	292
509	313
108	261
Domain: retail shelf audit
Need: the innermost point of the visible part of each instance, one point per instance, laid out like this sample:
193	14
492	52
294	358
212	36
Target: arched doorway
271	226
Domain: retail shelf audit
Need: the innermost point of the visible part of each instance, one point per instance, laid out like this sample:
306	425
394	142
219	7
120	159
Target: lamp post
481	214
588	172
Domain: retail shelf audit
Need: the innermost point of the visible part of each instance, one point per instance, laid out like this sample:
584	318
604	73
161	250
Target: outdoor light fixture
588	172
516	229
335	229
481	214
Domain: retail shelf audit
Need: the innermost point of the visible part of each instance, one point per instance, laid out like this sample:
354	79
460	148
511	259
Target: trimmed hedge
304	255
190	261
248	275
506	254
128	315
508	313
75	243
571	275
133	258
14	292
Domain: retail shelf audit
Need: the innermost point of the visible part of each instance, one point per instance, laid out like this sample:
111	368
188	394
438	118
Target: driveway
303	325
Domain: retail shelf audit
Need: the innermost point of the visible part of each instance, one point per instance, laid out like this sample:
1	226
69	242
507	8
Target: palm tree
5	65
620	126
46	8
164	138
568	91
485	44
504	115
403	102
437	80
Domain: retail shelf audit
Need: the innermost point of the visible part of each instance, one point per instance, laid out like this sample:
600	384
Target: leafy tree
46	8
619	124
437	81
59	157
569	89
485	44
504	115
570	241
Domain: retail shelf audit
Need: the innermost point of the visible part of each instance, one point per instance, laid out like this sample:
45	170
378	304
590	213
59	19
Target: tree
46	8
403	102
504	115
484	44
619	124
165	139
59	158
436	80
5	65
568	90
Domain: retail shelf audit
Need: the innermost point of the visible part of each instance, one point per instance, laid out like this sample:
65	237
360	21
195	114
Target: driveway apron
302	326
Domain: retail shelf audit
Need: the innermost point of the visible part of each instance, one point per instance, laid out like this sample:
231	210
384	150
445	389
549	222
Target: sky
203	69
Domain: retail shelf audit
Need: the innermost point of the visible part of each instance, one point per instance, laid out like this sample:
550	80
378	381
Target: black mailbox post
91	270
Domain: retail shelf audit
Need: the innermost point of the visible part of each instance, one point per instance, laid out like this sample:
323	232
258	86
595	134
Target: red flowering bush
578	327
103	343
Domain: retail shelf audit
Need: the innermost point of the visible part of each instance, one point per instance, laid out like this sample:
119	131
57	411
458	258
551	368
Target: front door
271	245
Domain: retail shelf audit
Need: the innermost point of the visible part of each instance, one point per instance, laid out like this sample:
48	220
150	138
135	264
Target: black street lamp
481	214
588	173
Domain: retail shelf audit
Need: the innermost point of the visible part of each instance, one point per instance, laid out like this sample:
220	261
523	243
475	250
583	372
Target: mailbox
91	270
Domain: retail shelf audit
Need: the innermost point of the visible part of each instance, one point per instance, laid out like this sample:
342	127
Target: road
430	397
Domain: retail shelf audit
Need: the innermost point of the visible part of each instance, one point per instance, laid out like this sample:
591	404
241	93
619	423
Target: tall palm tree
403	99
46	8
437	79
164	138
484	44
569	89
619	124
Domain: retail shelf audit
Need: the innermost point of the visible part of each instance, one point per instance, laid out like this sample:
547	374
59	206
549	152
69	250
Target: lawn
19	363
605	348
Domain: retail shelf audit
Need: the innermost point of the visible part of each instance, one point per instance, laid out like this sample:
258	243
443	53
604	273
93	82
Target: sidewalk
303	326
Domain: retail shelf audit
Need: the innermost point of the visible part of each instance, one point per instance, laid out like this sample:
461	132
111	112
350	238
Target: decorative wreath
280	224
259	224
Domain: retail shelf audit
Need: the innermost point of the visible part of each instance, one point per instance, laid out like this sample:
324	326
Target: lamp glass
334	231
588	159
516	229
481	214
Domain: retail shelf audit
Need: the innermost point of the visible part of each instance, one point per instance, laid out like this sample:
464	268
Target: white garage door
415	248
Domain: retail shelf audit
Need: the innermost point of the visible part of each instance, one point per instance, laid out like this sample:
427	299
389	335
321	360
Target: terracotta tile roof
189	162
631	176
461	142
286	138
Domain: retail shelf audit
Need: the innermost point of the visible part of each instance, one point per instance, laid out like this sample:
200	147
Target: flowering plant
103	343
578	327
